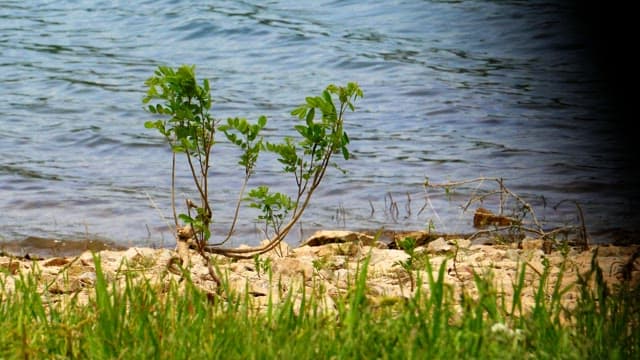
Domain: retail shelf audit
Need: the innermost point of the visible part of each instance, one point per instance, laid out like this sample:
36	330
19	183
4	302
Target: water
453	90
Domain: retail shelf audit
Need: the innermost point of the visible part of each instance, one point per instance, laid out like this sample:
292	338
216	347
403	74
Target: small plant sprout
184	107
189	129
408	245
262	265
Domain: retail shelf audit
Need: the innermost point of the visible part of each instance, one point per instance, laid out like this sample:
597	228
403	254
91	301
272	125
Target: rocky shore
326	266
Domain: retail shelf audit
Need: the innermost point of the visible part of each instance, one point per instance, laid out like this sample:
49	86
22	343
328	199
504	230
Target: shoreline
331	259
37	247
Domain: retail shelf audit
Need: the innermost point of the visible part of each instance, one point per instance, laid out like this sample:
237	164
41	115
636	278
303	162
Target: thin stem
173	189
194	175
207	144
235	214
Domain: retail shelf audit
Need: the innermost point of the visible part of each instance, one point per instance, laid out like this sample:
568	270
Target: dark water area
529	91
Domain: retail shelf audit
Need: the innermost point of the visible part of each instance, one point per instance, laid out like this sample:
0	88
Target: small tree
190	129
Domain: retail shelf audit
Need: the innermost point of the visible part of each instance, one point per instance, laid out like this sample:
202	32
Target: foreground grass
179	321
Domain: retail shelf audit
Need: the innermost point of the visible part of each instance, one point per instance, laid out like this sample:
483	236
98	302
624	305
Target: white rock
439	246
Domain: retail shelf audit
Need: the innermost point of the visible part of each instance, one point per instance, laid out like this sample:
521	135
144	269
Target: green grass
179	321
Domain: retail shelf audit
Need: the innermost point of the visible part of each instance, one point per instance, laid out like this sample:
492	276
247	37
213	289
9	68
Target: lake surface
453	91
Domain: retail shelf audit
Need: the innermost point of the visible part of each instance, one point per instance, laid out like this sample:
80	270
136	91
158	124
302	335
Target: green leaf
345	153
262	121
150	124
232	137
299	112
302	130
186	218
327	98
310	115
178	148
312	101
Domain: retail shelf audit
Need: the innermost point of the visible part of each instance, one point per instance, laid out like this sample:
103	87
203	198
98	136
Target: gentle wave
453	90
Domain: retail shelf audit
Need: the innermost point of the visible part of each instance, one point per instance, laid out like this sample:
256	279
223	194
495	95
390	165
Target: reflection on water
453	90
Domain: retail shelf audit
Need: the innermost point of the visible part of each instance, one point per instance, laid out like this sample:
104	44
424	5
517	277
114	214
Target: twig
155	206
393	207
235	213
503	191
583	229
428	203
373	210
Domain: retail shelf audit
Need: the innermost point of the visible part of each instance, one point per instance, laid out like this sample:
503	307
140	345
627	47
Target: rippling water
453	90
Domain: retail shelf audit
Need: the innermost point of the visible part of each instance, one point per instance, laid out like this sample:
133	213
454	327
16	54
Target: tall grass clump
134	318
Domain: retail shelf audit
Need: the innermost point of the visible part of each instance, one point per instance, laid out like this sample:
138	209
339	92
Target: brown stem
173	189
235	214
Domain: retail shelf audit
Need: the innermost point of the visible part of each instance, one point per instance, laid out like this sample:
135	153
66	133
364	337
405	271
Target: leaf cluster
245	135
189	125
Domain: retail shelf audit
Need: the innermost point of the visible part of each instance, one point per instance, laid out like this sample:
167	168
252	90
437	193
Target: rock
324	237
420	237
528	244
256	287
484	217
330	270
242	266
62	286
439	246
291	267
280	250
304	250
56	262
341	278
442	246
380	245
512	254
461	243
329	250
11	267
610	251
87	278
383	261
346	249
531	244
